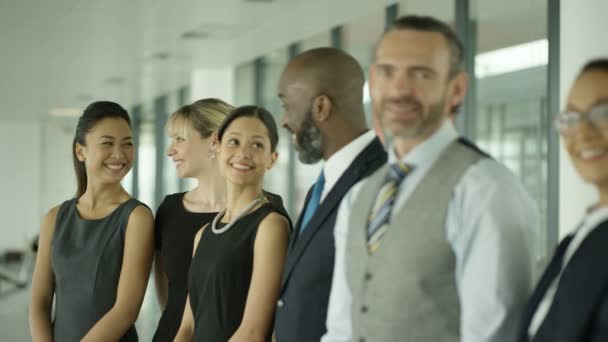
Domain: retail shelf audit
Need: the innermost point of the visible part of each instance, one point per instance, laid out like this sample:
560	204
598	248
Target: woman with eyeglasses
570	303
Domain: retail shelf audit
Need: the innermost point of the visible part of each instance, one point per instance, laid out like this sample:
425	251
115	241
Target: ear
214	141
80	151
322	107
459	86
273	159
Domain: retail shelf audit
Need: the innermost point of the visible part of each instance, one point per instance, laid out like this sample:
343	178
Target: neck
97	194
404	145
211	189
603	195
341	137
238	197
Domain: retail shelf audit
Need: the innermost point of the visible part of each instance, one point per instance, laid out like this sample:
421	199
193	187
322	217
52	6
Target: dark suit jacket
302	307
579	311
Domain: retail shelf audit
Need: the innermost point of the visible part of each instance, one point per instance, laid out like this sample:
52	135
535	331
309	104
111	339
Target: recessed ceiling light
115	80
195	35
162	55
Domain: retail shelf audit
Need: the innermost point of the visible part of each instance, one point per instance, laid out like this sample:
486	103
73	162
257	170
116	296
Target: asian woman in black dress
238	260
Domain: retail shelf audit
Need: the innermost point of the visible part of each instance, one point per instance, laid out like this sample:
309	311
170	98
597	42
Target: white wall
36	175
20	144
212	82
58	181
583	36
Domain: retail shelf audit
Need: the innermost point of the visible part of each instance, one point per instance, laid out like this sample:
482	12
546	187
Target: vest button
280	303
361	339
364	309
368	276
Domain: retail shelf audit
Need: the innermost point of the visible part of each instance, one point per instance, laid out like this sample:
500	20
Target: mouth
591	154
403	110
178	162
115	166
242	167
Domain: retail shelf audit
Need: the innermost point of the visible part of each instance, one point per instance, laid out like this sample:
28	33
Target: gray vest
406	290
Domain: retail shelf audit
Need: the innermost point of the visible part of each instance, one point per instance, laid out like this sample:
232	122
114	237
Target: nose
400	85
170	150
117	152
244	151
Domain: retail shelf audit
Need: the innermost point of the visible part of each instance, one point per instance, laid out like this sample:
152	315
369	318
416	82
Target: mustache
404	101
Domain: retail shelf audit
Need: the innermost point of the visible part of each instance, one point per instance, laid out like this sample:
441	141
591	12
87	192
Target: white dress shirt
590	222
337	164
492	225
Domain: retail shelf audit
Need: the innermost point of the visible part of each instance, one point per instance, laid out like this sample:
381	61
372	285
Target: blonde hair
204	116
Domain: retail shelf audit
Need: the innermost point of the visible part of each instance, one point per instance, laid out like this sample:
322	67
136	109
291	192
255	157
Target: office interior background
154	56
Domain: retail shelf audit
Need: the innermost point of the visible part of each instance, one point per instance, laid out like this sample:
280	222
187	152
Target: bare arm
161	282
186	328
136	264
269	253
43	283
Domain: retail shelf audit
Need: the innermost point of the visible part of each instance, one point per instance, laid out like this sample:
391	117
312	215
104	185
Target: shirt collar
424	154
595	215
335	166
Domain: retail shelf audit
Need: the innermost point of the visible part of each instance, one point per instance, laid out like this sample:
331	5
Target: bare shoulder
48	222
274	223
52	213
141	213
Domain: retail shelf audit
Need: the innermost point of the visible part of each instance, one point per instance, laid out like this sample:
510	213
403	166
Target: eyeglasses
567	122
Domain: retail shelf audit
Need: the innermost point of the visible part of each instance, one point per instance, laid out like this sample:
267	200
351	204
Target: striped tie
379	217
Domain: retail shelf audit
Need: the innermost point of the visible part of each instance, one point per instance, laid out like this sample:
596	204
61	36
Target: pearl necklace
239	216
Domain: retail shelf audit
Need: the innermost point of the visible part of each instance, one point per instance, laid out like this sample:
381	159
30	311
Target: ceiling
67	53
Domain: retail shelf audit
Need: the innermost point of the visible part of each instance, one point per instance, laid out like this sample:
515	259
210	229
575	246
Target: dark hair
94	113
430	24
252	112
599	64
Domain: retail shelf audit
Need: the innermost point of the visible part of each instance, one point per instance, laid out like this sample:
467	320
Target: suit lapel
372	155
296	231
551	271
581	286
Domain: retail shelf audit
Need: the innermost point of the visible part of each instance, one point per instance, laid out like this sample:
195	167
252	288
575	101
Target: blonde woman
181	215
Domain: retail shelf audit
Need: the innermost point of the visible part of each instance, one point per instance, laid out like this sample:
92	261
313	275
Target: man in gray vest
437	244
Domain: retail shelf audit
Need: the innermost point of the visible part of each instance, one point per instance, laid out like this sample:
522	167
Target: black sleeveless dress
86	258
220	275
175	228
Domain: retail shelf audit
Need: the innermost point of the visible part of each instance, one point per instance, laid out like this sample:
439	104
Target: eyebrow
113	138
600	101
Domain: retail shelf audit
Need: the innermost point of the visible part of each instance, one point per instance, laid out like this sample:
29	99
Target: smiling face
188	149
410	83
245	151
108	150
587	144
